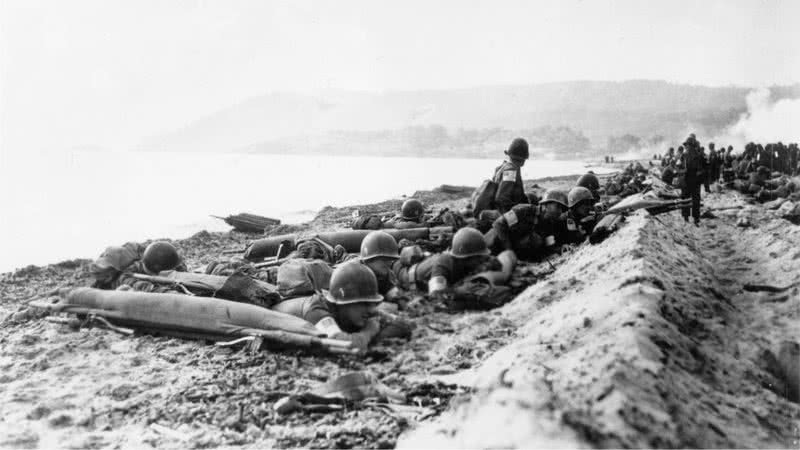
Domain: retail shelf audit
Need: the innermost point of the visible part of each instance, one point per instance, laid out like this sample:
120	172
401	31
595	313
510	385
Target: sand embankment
647	340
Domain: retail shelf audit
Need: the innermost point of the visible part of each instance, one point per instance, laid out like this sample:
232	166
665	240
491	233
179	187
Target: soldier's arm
505	189
500	226
503	199
359	339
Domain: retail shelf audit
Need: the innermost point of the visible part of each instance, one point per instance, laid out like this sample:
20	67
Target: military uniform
510	190
667	175
577	230
514	230
557	228
352	285
312	308
117	265
442	265
402	223
695	170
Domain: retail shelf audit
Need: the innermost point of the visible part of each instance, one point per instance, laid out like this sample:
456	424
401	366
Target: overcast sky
110	72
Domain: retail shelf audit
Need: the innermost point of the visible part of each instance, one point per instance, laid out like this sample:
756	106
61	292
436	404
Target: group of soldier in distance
358	297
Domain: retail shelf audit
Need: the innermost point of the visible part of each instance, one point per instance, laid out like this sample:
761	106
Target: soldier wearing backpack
505	189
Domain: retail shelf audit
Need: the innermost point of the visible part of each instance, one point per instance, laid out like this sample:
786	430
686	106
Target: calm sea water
58	206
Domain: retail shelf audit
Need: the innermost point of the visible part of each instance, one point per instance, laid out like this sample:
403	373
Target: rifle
671	206
182	286
272	263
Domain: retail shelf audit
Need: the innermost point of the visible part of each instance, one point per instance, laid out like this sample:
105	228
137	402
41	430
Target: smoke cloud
765	121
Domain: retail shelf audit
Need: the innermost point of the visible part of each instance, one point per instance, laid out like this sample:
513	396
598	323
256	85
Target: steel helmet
518	149
412	209
589	181
579	194
555	196
379	244
468	242
533	199
353	282
159	256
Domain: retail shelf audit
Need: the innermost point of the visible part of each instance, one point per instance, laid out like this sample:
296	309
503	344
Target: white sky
110	72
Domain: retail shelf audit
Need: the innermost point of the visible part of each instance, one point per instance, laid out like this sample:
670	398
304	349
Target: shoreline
311	225
621	344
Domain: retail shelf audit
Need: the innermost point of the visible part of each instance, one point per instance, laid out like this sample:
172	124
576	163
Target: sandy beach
648	339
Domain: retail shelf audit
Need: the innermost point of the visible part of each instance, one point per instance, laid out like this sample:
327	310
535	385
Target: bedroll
211	317
350	240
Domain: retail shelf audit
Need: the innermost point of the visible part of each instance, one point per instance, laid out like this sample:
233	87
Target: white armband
328	326
510	175
436	284
511	218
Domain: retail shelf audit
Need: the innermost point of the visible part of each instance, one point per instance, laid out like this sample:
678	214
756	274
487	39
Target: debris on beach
249	223
662	335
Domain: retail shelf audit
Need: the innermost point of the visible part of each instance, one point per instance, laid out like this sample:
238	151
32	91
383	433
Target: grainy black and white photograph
399	224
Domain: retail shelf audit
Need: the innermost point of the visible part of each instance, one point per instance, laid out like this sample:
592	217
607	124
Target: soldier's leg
685	193
696	203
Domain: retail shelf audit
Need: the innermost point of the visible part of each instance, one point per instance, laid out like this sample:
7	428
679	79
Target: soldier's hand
445	295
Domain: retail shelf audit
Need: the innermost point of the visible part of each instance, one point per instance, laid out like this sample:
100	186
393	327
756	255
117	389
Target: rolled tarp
349	239
184	313
268	247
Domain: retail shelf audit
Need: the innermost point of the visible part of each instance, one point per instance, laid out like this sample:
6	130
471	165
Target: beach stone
61	420
23	439
38	412
123	392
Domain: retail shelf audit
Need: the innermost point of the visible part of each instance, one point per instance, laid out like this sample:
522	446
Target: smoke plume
765	121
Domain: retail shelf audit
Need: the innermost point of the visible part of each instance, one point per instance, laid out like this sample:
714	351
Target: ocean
64	205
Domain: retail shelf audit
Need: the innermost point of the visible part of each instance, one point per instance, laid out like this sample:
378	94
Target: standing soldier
704	174
728	171
713	164
510	190
694	165
794	159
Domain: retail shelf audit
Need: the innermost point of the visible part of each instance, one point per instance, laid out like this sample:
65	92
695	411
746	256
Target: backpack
483	197
299	277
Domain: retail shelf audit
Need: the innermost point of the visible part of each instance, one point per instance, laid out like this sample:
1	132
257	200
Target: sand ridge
647	339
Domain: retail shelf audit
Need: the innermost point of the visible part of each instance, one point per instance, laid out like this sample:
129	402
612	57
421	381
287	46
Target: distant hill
357	122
